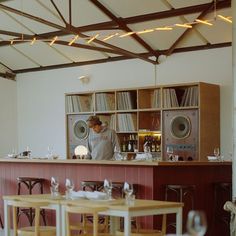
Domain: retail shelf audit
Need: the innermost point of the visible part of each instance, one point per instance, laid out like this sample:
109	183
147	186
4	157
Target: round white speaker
180	127
81	129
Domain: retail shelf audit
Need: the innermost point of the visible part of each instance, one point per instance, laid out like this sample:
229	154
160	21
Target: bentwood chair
1	222
85	227
35	230
28	185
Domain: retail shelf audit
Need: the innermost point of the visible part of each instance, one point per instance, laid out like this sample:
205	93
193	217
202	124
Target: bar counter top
112	162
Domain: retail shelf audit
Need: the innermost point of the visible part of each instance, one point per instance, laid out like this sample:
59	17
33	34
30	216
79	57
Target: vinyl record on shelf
81	129
180	127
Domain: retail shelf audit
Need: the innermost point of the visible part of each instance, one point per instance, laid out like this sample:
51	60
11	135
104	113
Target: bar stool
30	183
33	230
182	193
1	222
222	193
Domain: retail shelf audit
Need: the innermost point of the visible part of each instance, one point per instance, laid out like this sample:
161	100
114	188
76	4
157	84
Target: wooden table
116	208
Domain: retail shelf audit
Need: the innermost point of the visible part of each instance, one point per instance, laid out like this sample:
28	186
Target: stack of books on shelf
125	101
190	97
170	98
105	101
156	99
127	122
76	103
110	121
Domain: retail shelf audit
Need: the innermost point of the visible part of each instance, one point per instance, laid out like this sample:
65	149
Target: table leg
127	225
179	223
59	221
6	219
114	224
63	220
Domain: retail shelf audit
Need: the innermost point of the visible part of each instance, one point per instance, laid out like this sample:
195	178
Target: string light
184	25
127	34
94	37
107	37
164	28
204	22
33	41
225	18
110	36
53	41
145	31
73	40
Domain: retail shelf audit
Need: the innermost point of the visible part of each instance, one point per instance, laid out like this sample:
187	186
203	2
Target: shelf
160	114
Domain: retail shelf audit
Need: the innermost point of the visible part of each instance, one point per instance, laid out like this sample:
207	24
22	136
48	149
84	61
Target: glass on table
54	187
128	190
196	223
69	188
108	188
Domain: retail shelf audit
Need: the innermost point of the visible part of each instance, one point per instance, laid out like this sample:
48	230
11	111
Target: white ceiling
52	18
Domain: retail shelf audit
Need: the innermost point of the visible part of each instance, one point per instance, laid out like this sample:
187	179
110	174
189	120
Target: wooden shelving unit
184	116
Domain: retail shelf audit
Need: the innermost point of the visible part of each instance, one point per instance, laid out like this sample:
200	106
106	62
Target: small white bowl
212	158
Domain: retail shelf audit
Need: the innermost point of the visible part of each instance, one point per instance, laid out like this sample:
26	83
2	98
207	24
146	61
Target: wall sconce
84	79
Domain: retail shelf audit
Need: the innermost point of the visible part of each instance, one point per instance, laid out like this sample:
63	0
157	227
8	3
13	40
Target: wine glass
69	188
108	188
217	153
128	190
196	223
54	187
170	152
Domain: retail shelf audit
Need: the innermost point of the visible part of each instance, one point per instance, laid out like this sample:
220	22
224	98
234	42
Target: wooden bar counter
150	177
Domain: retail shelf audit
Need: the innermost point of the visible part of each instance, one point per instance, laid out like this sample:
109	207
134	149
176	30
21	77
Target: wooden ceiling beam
15	34
124	27
58	11
204	13
111	25
8	75
119	58
74	30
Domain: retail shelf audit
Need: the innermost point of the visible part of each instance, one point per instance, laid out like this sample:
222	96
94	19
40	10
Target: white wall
41	111
8	116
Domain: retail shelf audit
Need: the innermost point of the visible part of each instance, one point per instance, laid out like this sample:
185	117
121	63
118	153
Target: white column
233	7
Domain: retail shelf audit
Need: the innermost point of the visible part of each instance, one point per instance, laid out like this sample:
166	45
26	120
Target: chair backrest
25	204
93	211
29	183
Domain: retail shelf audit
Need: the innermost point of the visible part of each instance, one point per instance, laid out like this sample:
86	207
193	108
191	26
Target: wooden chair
35	230
1	222
85	227
30	184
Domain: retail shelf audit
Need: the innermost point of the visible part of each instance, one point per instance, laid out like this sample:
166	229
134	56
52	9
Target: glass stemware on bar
108	188
217	153
170	152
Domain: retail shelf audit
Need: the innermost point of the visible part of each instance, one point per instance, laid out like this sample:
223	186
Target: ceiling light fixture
110	36
184	25
53	41
126	34
145	31
33	41
94	37
164	28
227	19
73	40
205	22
